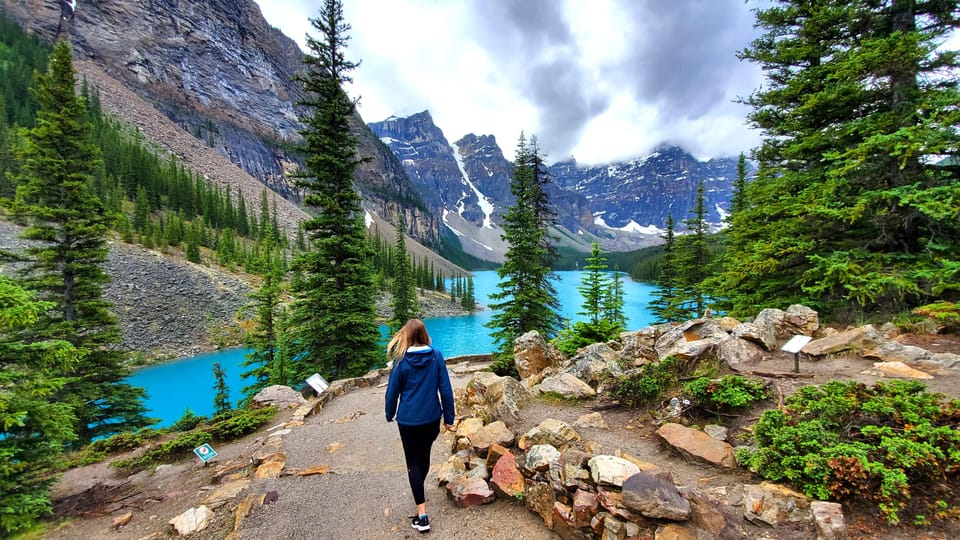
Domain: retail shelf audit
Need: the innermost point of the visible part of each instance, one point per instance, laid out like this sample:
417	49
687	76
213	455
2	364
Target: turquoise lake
187	383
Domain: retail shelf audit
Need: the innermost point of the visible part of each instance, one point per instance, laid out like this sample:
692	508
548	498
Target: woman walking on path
420	382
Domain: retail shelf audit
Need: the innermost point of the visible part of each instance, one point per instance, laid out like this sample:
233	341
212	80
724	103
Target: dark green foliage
728	392
266	361
943	313
187	421
119	442
602	302
647	384
526	299
333	318
404	287
231	425
221	396
179	447
664	302
584	333
851	211
55	196
240	422
468	301
34	422
845	441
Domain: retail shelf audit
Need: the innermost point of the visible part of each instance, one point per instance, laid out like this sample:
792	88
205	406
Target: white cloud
599	79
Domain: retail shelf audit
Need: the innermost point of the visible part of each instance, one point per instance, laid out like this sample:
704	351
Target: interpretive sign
795	344
318	383
205	452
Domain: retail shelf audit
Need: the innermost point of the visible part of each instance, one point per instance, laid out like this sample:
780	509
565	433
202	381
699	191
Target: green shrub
504	366
646	384
728	392
239	422
188	421
583	333
848	440
945	313
116	443
174	449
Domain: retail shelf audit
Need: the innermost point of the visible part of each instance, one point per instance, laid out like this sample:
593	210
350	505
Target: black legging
417	441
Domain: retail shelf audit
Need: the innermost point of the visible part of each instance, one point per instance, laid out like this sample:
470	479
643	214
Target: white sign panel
317	382
795	344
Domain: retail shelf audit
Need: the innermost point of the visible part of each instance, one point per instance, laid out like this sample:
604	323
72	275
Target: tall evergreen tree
594	285
55	195
404	289
264	338
34	422
469	300
333	315
665	299
526	298
613	301
850	212
221	393
692	258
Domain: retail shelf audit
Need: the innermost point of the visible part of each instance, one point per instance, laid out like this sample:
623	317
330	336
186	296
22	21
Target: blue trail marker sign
205	452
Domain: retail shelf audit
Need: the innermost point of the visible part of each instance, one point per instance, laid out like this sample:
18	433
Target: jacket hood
419	356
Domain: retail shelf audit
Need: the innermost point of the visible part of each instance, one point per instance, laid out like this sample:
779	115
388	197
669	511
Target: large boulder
556	433
566	385
278	395
594	363
773	326
654	497
697	444
492	397
532	354
638	346
863	338
739	354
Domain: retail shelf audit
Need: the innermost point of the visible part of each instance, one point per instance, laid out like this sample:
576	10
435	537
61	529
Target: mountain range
220	73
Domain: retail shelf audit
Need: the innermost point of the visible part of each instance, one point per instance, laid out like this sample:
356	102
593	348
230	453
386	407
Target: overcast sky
600	80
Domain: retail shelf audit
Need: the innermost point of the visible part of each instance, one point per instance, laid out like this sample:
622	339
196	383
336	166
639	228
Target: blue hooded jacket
420	382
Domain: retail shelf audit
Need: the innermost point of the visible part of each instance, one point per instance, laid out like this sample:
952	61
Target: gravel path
366	495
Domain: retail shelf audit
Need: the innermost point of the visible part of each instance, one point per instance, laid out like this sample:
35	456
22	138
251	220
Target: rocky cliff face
620	205
641	193
222	73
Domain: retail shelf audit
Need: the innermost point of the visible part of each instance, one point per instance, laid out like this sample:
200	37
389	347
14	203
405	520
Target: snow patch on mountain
485	205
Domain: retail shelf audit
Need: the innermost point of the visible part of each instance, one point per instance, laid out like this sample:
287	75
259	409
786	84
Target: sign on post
793	346
318	383
205	452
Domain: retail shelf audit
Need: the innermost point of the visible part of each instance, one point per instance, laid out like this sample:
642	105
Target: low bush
646	384
583	333
239	422
728	392
882	443
188	421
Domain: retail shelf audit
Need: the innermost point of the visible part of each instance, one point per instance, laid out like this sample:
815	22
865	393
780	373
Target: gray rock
279	396
532	354
774	504
550	431
828	517
193	520
863	338
567	386
654	497
611	470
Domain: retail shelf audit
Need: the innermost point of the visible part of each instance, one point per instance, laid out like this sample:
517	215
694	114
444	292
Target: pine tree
333	314
469	301
221	396
55	195
263	339
665	300
691	259
594	285
850	212
613	302
404	289
526	299
34	422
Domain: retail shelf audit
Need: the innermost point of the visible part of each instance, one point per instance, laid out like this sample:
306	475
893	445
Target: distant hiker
420	382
